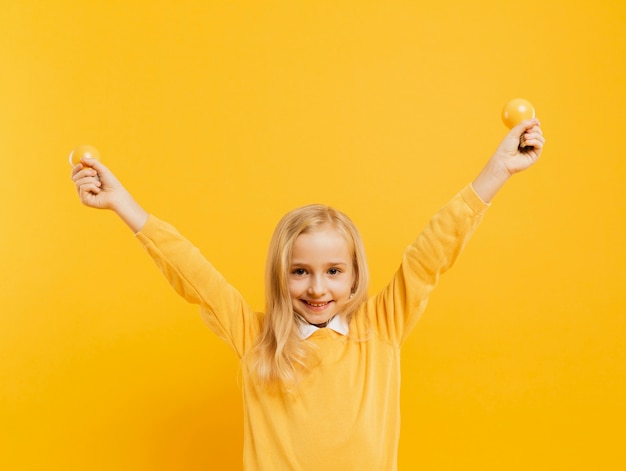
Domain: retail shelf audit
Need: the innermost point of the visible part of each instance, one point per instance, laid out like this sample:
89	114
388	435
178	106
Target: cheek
295	288
343	288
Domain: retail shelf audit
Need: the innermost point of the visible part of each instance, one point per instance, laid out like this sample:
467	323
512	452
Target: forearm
510	159
131	212
492	177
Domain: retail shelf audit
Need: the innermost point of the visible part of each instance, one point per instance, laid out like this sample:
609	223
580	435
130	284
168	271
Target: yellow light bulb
83	151
516	111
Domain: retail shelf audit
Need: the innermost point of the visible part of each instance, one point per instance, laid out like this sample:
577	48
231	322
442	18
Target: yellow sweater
345	414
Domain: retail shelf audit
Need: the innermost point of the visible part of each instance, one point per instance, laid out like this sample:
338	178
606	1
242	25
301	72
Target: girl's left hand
516	158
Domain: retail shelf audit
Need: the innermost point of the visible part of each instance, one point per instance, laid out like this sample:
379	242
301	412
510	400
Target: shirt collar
337	323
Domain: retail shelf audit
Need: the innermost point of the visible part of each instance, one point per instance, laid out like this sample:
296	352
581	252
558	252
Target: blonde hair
280	355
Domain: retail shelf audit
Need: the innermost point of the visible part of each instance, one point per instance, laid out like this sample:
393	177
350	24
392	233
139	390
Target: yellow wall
221	116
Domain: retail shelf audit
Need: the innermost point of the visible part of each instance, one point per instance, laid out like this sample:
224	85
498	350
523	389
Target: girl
321	368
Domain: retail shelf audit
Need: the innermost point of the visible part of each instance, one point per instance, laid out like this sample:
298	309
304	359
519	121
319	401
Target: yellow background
221	116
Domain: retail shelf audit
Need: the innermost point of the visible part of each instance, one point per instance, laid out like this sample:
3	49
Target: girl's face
321	274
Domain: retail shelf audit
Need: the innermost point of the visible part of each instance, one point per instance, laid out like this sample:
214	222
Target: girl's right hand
97	187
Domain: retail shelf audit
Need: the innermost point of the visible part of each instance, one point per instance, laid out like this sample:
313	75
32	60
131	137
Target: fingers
533	139
94	163
88	191
533	134
76	168
79	172
87	187
529	135
88	164
86	181
525	126
87	168
82	176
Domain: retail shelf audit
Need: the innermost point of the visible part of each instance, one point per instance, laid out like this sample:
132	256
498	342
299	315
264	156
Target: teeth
316	304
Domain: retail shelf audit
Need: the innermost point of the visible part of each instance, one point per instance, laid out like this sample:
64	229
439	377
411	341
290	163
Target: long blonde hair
281	356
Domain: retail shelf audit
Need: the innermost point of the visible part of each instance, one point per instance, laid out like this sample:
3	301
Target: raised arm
191	275
509	159
98	188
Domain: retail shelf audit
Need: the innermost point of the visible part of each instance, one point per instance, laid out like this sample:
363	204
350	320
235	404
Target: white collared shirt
337	323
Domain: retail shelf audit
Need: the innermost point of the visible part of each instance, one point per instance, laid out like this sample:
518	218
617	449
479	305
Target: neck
322	325
319	326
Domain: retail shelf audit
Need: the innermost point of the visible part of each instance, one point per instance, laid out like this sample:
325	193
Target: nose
317	287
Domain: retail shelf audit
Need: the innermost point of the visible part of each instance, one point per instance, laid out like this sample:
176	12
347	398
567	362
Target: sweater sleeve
397	308
194	278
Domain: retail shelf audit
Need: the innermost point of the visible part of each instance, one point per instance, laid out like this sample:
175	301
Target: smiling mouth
315	305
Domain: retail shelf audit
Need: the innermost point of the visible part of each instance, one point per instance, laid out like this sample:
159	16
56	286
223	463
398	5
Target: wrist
122	201
130	211
489	181
497	171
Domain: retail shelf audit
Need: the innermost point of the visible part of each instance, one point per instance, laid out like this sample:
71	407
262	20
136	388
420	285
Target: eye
334	271
298	271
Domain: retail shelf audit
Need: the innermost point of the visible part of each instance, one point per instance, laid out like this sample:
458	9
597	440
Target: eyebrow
331	264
